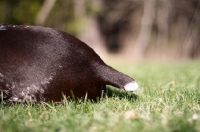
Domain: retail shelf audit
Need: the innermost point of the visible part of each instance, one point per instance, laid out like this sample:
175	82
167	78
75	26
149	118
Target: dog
40	64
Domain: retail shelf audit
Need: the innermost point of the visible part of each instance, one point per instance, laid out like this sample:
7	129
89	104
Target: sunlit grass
168	100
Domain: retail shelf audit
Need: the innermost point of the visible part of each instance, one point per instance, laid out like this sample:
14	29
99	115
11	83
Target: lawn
168	101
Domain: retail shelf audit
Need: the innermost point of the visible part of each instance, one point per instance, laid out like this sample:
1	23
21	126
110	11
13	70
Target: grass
168	101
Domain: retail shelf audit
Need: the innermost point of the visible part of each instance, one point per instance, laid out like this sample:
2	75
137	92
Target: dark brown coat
40	64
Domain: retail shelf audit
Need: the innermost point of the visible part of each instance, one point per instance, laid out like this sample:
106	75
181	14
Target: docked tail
115	78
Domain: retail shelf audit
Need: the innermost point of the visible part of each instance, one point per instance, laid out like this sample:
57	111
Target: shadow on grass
114	92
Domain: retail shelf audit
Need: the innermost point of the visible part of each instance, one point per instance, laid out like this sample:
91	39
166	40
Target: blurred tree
144	37
19	11
115	18
188	14
62	16
147	27
44	12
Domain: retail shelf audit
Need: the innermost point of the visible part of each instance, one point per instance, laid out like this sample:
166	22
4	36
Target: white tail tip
132	86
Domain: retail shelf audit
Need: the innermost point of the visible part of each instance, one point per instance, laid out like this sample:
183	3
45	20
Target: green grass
168	101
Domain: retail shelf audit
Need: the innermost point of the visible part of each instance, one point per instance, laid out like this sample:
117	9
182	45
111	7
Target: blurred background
127	29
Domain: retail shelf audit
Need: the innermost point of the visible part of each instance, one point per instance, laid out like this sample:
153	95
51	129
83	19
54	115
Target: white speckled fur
132	86
2	27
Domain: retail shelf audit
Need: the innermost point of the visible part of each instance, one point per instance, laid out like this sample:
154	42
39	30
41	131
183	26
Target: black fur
41	64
